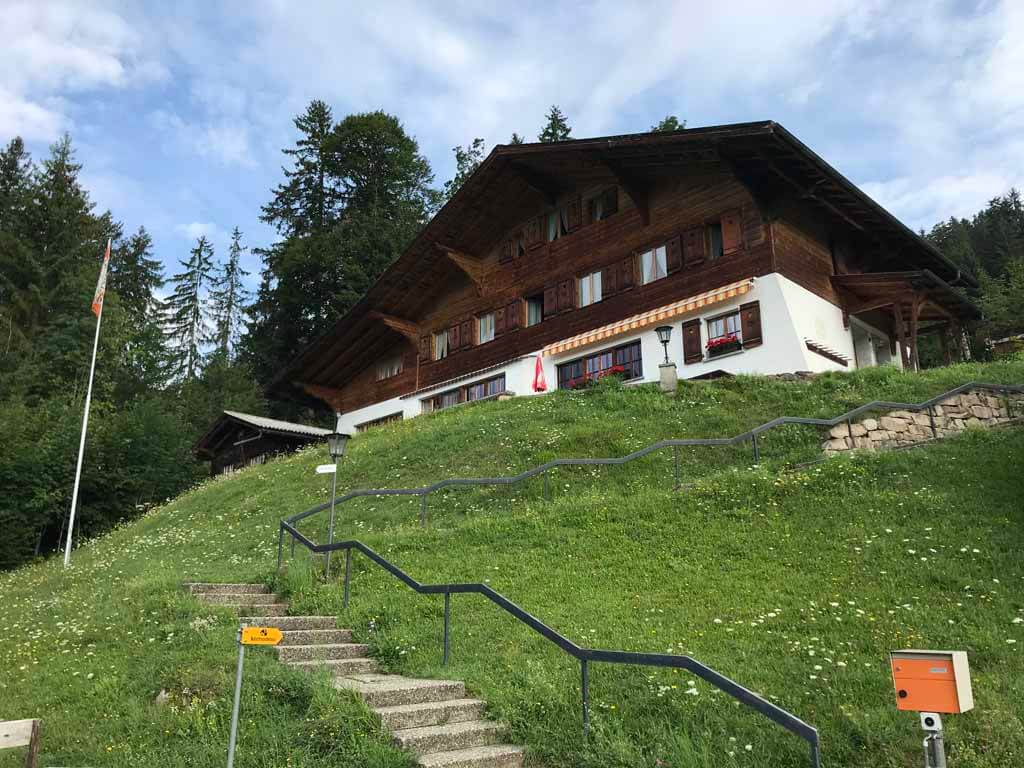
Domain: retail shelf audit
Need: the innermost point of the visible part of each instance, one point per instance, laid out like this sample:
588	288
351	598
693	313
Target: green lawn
762	575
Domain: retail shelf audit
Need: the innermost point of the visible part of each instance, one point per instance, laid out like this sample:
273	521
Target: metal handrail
777	714
750	435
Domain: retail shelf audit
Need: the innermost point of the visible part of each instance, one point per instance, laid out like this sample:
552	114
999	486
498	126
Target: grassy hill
796	584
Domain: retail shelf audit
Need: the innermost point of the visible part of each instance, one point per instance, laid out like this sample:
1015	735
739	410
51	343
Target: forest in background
176	350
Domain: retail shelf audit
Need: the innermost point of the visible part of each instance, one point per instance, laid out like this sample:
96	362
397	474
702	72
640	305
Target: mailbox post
932	682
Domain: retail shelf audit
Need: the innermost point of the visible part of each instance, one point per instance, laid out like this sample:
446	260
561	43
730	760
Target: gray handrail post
447	625
815	754
585	690
547	487
757	450
678	474
931	420
348	571
423	510
280	546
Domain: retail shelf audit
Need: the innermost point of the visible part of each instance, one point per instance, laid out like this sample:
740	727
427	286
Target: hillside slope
764	577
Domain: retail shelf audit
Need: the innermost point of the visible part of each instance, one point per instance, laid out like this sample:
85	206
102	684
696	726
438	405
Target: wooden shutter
693	247
550	300
566	297
609	280
750	323
674	258
467	333
454	338
425	349
505	254
732	231
499	321
512	313
627	273
692	349
575	213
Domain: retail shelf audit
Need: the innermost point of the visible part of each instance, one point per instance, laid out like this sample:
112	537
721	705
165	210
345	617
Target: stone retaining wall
897	428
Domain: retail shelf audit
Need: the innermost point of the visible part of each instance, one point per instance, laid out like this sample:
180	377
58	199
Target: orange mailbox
932	681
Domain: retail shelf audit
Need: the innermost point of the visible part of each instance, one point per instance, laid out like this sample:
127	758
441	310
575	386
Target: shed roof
207	444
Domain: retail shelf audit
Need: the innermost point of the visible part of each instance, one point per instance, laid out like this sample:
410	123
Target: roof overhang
208	445
940	302
515	180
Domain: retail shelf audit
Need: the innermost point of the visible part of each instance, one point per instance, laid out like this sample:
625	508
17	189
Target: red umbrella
539	385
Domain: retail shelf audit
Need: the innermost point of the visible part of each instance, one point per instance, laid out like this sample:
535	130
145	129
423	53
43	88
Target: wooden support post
915	313
901	332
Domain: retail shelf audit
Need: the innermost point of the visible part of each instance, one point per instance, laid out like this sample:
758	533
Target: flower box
723	345
589	379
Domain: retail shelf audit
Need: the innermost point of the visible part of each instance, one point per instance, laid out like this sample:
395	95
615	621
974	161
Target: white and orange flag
101	286
539	384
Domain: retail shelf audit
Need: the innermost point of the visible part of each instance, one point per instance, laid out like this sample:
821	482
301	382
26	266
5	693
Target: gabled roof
514	181
303	432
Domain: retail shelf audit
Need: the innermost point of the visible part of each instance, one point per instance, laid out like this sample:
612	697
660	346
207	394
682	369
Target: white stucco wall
790	314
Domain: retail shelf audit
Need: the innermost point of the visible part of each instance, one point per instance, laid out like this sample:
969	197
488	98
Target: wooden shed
237	440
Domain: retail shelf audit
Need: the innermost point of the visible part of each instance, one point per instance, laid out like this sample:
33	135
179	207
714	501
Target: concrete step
203	588
430	713
238	598
496	756
290	653
338	667
448	736
288	623
315	637
263	609
393	690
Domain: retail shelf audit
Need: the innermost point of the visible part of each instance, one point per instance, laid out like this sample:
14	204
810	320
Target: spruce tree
15	185
228	298
516	139
187	324
467	160
557	127
136	276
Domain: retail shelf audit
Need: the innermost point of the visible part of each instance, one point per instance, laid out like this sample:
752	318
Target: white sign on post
326	469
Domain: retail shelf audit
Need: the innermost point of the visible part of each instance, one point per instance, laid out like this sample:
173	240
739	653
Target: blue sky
179	110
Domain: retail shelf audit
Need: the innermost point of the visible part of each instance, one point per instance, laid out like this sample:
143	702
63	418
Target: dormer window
557	224
604	205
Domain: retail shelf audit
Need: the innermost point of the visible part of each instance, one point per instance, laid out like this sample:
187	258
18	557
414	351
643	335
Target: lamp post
336	442
664	334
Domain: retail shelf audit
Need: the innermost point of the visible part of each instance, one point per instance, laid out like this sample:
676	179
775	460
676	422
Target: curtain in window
534	311
440	345
553	226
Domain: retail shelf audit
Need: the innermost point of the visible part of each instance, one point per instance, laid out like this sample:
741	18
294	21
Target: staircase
433	719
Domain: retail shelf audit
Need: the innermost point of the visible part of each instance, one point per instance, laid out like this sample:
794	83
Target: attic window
604	205
441	345
715	244
557	224
392	366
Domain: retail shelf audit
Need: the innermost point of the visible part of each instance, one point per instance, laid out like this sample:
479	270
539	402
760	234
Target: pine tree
135	276
228	298
467	160
15	185
187	325
516	139
311	197
669	123
557	127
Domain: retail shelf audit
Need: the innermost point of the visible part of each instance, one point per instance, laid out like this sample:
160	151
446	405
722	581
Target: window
726	325
519	244
623	361
558	224
714	240
590	289
441	345
653	265
485	328
604	205
388	368
379	422
476	391
534	309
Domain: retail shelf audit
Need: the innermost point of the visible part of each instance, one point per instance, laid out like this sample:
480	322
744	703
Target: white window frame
653	264
441	345
589	289
389	367
485	328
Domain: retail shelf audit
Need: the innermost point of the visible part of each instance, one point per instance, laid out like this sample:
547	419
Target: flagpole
81	439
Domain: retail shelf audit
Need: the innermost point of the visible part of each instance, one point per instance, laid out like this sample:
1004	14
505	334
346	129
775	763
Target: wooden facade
534	221
237	440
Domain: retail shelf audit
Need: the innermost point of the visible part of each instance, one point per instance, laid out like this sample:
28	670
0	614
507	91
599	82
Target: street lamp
664	334
336	442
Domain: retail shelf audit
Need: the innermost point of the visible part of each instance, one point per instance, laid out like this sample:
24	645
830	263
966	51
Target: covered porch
907	306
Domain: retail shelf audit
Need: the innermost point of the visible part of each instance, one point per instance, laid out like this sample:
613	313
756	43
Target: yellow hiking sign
260	636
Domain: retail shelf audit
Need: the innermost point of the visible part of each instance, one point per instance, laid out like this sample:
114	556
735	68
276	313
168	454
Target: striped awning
650	317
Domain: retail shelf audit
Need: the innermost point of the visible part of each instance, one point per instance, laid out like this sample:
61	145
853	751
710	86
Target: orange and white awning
650	317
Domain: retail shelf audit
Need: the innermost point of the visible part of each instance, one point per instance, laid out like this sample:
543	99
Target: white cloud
52	50
226	142
196	229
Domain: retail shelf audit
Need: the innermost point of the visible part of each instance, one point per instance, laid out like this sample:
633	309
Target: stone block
863	442
870	424
973	422
892	424
902	415
858	430
836	445
981	411
838	432
923	419
939	410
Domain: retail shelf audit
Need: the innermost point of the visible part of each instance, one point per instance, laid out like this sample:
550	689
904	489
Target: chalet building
238	440
759	255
